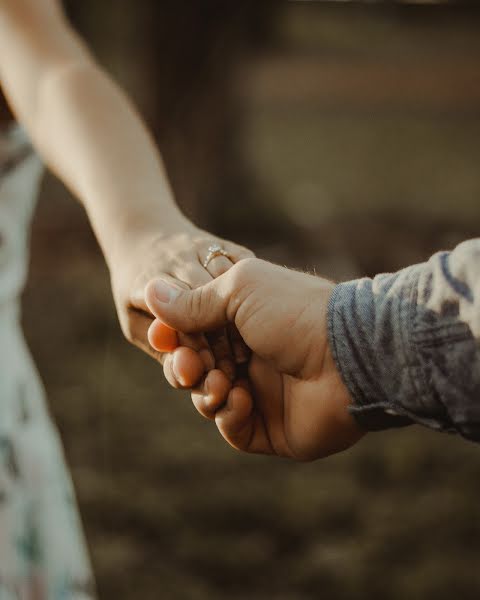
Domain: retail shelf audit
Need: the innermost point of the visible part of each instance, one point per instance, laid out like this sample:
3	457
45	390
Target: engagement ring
213	251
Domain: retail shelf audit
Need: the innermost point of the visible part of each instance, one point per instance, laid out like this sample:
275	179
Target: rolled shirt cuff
369	326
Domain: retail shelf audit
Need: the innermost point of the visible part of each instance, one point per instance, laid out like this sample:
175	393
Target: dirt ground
170	511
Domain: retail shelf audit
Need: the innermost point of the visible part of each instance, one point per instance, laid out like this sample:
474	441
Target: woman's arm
84	126
90	135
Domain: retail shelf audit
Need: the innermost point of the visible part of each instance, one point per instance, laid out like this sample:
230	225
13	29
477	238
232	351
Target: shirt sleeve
407	344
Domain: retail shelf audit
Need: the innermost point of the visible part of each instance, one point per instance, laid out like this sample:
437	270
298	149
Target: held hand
294	403
178	259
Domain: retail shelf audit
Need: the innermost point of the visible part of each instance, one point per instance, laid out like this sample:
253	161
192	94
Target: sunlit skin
90	135
188	368
293	401
183	366
162	337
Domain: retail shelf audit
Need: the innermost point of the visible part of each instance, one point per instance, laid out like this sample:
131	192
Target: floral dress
42	550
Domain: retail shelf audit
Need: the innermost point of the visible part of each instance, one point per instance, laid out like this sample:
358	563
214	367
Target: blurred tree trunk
184	56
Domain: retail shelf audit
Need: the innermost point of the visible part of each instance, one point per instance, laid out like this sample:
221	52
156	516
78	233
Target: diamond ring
213	251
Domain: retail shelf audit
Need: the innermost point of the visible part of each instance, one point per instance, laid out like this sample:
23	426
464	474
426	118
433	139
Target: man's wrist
368	332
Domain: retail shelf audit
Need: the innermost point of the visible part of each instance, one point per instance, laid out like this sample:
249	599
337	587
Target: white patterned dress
42	551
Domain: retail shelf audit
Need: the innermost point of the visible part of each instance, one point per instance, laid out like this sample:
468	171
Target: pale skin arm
91	136
84	126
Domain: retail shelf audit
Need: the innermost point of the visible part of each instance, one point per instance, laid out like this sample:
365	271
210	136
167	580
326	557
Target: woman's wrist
133	231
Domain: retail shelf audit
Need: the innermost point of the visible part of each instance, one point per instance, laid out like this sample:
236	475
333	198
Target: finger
212	394
186	311
199	343
241	425
204	308
163	338
183	368
218	266
235	421
136	331
267	388
188	276
218	341
220	345
193	274
240	350
238	253
153	337
137	297
168	372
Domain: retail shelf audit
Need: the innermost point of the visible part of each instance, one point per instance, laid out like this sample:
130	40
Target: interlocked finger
183	368
219	265
220	345
210	396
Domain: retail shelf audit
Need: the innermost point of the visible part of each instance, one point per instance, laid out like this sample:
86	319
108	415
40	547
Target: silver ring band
213	251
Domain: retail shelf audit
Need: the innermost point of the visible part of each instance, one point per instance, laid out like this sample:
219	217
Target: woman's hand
176	256
293	402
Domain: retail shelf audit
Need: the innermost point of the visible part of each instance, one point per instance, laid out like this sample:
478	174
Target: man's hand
293	402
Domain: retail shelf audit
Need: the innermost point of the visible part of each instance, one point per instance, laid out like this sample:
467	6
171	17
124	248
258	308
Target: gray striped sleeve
407	344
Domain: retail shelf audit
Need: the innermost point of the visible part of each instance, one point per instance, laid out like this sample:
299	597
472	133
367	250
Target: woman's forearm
83	125
93	139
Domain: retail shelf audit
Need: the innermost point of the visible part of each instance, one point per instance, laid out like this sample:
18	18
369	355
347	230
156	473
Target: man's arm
84	126
405	350
407	344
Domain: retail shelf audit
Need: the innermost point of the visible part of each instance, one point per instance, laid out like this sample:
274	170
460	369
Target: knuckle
246	253
241	279
201	406
188	270
194	304
244	272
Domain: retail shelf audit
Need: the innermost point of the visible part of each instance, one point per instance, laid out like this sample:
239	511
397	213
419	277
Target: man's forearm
407	344
86	129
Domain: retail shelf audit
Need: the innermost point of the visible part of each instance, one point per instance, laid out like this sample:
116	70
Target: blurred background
340	137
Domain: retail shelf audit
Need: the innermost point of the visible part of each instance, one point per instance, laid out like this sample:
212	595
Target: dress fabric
42	549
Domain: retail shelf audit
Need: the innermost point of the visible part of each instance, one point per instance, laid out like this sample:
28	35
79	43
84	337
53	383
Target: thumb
190	311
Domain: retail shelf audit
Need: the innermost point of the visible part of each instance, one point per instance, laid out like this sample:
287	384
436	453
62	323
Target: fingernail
165	292
181	380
